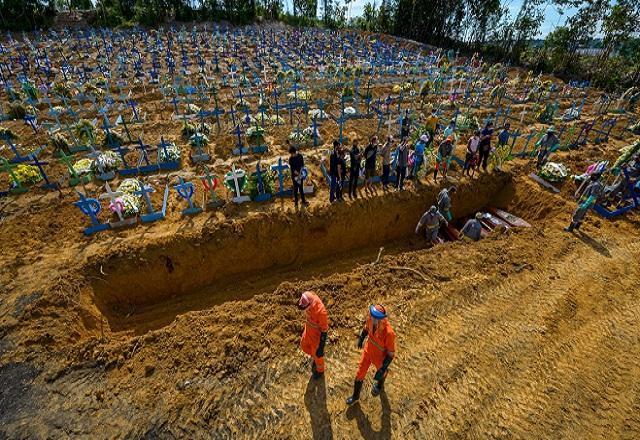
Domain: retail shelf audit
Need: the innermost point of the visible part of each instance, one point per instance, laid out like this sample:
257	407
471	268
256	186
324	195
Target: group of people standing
347	164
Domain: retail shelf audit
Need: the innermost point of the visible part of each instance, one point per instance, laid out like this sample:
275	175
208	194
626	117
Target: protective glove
323	340
363	335
383	369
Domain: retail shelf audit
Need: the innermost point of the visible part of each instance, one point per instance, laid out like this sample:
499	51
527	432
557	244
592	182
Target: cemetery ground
187	328
529	333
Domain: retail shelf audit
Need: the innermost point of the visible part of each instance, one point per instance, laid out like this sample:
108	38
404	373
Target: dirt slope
528	334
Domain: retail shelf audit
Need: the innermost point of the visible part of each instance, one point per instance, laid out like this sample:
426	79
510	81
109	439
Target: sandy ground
188	328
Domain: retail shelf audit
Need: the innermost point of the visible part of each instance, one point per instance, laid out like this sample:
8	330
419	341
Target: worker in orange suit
379	351
314	335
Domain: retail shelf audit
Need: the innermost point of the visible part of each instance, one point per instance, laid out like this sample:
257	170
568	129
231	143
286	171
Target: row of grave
168	157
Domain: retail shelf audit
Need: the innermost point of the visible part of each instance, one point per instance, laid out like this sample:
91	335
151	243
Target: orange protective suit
378	345
317	322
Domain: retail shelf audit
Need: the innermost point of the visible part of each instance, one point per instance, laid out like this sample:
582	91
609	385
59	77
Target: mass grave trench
270	246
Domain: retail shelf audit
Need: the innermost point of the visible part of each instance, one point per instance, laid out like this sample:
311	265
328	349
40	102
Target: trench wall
269	240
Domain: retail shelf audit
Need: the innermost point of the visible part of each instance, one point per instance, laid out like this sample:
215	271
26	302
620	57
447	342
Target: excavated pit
147	289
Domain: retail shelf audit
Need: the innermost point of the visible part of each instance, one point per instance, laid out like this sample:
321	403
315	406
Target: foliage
255	133
112	138
172	153
83	166
59	143
554	172
627	153
268	183
62	89
27	174
107	160
26	15
84	130
8	134
198	139
18	110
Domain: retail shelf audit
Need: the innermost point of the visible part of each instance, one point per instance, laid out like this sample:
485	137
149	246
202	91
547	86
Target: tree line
489	26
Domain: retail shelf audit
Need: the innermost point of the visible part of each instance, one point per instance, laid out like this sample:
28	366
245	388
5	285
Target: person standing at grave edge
385	152
547	144
471	157
314	335
402	161
296	164
406	124
335	171
443	158
355	155
501	148
418	155
484	147
370	154
431	125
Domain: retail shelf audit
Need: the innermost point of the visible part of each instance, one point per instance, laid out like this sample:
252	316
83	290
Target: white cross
113	197
389	123
522	113
235	176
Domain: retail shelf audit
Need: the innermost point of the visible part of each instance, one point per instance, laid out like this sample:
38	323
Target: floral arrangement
297	136
107	161
83	166
59	143
84	130
198	139
255	133
171	153
8	134
275	119
130	186
308	133
268	183
303	95
317	113
131	202
466	121
192	109
27	174
62	89
18	110
189	129
627	153
554	172
571	115
112	138
242	105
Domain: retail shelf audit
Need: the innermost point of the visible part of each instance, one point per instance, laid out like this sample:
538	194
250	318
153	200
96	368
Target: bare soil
188	328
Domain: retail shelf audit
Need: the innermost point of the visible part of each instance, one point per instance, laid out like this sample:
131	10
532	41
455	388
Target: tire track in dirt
467	388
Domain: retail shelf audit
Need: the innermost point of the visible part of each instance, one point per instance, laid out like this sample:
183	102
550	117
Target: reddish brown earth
188	327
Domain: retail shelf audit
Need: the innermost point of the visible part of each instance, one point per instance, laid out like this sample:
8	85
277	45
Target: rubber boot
314	372
377	388
570	227
357	387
